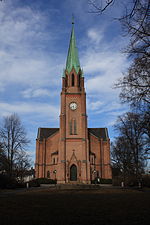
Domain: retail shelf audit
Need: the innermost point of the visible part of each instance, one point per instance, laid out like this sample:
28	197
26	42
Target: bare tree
137	26
22	164
3	160
122	158
129	148
135	84
100	6
130	8
132	146
13	138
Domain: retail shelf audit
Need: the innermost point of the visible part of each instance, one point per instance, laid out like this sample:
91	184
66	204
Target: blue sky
34	37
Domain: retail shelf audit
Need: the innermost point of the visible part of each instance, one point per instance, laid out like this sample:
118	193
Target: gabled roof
99	133
46	132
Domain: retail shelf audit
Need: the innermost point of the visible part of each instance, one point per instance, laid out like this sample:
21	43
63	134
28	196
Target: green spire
72	58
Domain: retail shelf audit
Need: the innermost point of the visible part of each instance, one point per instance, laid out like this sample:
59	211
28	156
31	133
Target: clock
73	105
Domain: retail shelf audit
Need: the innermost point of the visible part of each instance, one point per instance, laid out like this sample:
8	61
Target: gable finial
72	19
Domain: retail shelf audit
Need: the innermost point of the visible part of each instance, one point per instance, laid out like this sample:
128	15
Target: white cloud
118	113
20	24
109	107
106	74
23	59
33	108
103	64
95	35
30	93
103	60
29	70
94	105
2	87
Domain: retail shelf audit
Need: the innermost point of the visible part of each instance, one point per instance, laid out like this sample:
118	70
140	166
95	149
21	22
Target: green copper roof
72	58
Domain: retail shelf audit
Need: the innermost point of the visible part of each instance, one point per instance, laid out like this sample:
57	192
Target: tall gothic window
70	127
72	79
92	159
79	80
66	80
75	127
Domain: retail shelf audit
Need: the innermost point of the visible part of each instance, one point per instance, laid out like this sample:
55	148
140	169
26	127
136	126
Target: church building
73	153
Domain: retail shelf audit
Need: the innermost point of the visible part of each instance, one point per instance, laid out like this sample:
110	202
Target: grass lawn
75	207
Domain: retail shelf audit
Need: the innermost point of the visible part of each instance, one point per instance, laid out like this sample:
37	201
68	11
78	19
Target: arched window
70	126
66	80
75	127
93	160
72	80
53	160
73	173
79	80
48	174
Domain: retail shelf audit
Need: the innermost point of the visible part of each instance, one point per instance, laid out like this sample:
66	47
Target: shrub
116	181
105	181
146	180
34	183
46	181
38	181
101	181
21	185
8	182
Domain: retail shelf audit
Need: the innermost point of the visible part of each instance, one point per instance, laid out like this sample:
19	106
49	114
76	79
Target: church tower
73	154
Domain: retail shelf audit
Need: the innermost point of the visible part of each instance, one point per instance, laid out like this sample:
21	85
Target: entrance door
73	173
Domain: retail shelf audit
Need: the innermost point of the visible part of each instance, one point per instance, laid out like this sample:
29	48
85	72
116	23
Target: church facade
73	153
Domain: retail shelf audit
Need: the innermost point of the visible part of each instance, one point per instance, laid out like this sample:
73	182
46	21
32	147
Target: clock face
73	105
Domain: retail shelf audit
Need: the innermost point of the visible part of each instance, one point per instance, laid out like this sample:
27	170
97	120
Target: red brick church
73	153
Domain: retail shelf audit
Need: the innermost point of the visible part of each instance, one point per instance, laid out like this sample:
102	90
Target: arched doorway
73	173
